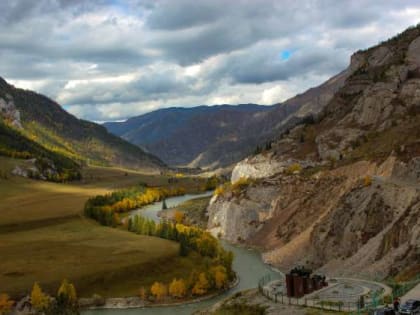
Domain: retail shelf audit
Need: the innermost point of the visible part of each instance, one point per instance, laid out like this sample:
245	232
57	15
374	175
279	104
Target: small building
299	282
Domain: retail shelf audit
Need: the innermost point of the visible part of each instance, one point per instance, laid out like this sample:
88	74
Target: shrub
296	167
367	181
241	184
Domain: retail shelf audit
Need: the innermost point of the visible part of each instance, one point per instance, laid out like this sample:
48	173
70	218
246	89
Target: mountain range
210	137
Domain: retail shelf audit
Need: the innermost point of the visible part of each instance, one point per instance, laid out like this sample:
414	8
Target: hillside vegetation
33	126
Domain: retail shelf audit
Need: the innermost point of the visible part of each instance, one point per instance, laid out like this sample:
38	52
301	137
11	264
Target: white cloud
111	60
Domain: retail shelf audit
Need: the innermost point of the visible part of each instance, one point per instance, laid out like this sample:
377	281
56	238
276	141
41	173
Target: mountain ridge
225	134
339	194
43	121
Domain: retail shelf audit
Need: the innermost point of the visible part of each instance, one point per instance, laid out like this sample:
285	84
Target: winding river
247	264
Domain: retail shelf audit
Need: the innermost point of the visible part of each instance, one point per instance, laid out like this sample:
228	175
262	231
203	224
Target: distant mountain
44	127
217	136
180	135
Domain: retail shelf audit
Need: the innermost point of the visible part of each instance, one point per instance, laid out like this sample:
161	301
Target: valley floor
44	238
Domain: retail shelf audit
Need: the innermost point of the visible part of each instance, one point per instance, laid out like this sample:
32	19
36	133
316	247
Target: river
247	264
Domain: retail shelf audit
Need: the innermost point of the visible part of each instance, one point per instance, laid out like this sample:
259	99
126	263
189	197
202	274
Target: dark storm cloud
100	57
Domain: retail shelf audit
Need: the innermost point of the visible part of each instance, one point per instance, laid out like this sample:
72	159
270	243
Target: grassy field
24	200
44	238
194	211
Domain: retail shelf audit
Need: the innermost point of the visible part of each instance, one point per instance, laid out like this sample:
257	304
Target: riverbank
137	302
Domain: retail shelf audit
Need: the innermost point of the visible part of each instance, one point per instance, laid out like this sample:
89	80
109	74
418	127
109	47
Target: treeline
190	239
196	284
106	208
63	303
218	272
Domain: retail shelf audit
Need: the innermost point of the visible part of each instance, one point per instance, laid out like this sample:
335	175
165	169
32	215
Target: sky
107	60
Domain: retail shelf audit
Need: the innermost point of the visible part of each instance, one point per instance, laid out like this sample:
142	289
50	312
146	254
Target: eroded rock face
257	167
368	230
413	52
238	218
9	111
359	214
334	142
375	106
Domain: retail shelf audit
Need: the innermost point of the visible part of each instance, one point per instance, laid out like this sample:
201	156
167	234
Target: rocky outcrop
9	112
354	207
259	166
238	218
43	169
359	231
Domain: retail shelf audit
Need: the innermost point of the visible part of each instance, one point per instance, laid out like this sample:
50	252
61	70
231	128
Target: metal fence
364	305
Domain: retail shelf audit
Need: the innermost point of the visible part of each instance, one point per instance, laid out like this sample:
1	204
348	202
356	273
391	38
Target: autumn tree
178	288
201	286
5	304
367	180
220	276
40	301
178	216
159	290
66	296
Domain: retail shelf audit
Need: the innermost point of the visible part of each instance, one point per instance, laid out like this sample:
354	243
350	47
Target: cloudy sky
112	59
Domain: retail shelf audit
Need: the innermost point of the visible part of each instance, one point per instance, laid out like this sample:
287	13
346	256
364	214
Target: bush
235	188
293	168
367	181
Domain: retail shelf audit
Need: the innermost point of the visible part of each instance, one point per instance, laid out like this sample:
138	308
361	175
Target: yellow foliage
5	304
296	167
367	180
179	175
159	290
178	216
220	276
40	301
201	286
220	190
177	288
68	292
241	183
235	187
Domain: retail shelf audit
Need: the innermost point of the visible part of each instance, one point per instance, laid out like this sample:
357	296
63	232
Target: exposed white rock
9	111
257	167
238	219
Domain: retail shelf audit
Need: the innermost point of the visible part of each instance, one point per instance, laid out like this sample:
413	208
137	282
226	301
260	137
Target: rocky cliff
340	193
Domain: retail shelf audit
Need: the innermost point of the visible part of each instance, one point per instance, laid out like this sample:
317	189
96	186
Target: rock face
9	111
373	229
354	205
239	218
257	167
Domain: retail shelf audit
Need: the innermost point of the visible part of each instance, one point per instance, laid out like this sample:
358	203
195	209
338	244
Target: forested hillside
35	126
